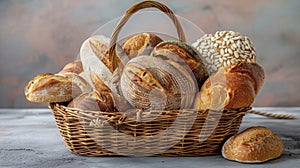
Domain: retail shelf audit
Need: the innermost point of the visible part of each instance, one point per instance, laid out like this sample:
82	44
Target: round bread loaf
224	48
253	145
183	54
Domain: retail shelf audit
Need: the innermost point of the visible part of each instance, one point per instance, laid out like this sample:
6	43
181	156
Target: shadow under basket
157	133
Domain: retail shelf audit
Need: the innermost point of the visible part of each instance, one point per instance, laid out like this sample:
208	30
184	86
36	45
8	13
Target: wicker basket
138	133
85	131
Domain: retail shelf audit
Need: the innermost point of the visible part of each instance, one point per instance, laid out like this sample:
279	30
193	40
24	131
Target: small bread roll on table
253	145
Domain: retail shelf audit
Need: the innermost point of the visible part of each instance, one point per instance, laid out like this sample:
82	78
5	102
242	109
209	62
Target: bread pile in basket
157	75
157	80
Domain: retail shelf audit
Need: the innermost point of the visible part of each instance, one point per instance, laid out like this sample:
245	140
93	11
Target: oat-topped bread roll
51	88
224	48
253	145
234	86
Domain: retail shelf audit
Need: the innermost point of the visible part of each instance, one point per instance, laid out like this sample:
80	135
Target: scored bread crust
232	87
253	145
51	88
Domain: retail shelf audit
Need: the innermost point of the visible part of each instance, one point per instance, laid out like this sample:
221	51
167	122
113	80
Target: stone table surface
30	138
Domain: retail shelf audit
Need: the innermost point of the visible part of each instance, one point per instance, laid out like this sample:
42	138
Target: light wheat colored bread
78	80
253	145
234	86
51	88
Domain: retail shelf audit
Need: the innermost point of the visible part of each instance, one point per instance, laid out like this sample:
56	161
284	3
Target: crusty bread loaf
99	85
93	101
96	101
51	88
78	80
253	145
234	86
75	67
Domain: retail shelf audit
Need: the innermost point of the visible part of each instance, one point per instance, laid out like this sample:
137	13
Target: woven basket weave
83	131
131	133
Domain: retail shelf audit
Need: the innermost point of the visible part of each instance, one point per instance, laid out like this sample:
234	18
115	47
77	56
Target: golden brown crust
140	44
253	145
99	85
253	70
232	87
51	88
75	67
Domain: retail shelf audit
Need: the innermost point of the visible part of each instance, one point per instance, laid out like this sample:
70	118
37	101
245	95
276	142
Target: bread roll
224	48
96	101
51	88
253	145
75	67
232	87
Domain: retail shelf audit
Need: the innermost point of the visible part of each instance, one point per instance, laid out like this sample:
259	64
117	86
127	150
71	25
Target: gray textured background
41	36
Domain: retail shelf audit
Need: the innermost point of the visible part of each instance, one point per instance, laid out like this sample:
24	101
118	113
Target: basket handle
142	5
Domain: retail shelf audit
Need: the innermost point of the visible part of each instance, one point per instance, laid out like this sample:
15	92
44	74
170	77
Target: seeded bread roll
253	145
224	48
234	86
51	88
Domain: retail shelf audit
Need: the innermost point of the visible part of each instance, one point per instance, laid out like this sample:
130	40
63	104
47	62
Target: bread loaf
183	54
74	67
51	88
233	86
96	101
99	85
140	44
78	80
253	145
